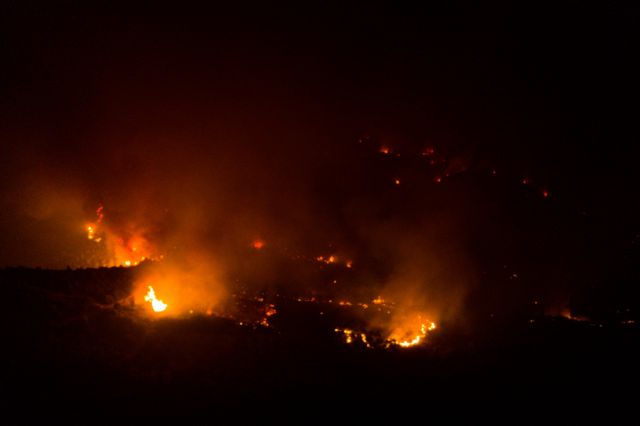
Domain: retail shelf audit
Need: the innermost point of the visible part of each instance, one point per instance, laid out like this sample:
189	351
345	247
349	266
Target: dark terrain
71	351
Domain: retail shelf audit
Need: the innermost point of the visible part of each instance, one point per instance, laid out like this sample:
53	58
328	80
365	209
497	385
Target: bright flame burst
156	304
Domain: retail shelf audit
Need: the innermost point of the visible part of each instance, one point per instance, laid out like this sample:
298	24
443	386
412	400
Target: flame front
424	329
351	336
156	304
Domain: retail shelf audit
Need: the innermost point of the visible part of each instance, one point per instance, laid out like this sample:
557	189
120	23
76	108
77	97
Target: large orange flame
156	304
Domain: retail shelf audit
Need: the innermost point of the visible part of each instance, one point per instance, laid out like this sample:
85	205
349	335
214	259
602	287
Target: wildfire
124	246
156	304
351	336
424	329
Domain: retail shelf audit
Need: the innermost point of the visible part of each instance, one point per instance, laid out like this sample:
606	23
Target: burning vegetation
191	269
410	229
121	246
403	337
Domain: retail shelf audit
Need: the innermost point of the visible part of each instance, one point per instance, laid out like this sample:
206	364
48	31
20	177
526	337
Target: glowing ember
258	244
328	260
156	304
378	300
385	150
335	260
269	310
91	233
350	336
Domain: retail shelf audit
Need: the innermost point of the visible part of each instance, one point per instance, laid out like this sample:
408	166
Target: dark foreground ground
69	353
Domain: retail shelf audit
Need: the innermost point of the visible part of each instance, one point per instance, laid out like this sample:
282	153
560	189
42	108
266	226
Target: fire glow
123	247
334	260
127	241
156	304
424	329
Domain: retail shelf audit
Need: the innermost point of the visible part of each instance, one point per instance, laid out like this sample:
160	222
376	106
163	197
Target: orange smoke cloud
188	284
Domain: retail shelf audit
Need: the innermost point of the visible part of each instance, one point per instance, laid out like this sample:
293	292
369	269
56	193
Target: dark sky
546	88
246	112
